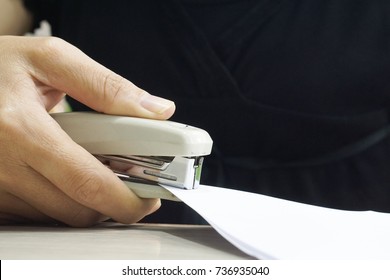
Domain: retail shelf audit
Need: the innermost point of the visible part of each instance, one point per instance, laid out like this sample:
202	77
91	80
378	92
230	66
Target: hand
44	176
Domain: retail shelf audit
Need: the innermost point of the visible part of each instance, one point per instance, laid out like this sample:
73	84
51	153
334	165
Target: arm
14	18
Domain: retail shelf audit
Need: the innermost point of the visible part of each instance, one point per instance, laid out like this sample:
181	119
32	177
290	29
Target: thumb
64	67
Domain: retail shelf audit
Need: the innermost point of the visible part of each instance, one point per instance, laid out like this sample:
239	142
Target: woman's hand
44	175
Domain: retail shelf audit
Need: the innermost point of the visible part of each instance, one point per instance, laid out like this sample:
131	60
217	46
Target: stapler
144	153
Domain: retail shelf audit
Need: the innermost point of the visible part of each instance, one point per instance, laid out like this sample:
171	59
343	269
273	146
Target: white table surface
116	241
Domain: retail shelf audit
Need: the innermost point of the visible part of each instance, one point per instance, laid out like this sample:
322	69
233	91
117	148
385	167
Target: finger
66	68
15	210
34	197
82	177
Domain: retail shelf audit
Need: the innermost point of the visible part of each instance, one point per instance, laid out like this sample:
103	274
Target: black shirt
295	93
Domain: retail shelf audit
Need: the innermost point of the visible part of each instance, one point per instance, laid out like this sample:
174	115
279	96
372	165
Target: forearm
14	18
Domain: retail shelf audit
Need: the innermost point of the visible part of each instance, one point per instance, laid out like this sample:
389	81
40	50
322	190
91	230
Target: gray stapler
143	153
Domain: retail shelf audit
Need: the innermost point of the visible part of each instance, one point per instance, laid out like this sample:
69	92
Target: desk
116	241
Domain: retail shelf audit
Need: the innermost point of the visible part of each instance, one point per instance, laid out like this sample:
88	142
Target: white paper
271	228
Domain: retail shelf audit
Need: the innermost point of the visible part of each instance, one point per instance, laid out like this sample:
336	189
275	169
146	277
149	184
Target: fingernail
156	104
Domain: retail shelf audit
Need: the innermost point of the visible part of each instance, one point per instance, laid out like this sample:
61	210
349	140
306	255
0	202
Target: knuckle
87	186
53	45
46	55
50	47
113	86
116	89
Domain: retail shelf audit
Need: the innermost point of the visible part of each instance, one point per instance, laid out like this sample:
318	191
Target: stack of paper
271	228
